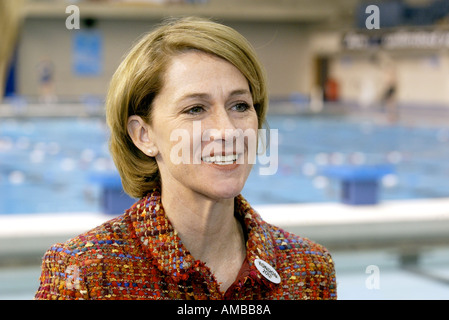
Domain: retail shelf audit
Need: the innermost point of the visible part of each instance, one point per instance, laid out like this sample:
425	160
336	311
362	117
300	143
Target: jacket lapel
161	243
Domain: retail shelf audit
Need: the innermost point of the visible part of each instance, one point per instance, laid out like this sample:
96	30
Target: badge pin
267	271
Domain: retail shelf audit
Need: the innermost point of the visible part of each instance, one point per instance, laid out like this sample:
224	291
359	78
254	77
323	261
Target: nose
221	126
221	131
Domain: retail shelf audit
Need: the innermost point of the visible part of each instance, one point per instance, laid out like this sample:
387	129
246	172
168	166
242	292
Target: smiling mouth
223	160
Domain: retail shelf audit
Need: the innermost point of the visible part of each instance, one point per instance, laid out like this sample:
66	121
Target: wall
363	75
49	39
421	77
287	50
424	79
282	48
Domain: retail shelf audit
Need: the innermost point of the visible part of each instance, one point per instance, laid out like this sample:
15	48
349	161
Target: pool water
308	144
45	163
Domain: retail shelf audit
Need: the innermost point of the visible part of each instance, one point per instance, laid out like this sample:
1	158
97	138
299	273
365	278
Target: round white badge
267	271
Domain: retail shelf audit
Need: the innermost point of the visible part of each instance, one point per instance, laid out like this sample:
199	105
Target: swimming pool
307	144
45	163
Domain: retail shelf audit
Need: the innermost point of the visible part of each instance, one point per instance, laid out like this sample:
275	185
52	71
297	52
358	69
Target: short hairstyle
140	78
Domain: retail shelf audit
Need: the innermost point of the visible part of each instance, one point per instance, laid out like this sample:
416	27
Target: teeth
221	160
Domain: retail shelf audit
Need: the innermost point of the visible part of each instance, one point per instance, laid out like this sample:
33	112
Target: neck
209	230
201	223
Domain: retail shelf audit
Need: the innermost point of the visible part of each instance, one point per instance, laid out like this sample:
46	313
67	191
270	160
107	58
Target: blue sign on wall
87	53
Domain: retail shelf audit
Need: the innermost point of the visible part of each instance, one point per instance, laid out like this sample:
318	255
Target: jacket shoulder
306	264
66	266
112	232
285	240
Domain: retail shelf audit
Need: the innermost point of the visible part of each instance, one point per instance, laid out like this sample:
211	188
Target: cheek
253	140
252	121
250	125
177	148
179	144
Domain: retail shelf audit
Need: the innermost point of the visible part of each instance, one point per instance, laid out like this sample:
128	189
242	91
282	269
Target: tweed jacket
139	255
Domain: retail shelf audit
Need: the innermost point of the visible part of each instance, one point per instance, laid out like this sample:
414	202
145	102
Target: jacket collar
160	241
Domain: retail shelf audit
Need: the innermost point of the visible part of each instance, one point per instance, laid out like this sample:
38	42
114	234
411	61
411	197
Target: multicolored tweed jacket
138	255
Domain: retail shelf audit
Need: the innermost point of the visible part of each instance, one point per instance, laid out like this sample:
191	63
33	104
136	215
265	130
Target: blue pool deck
46	196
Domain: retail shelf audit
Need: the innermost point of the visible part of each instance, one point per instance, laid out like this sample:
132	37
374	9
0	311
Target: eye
195	110
241	107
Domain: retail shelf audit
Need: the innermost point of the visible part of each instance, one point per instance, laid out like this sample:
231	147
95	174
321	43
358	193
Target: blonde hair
139	79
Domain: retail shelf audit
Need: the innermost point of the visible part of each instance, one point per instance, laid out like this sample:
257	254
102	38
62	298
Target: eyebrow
205	96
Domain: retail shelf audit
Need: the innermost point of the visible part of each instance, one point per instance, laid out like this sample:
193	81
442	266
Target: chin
223	191
220	184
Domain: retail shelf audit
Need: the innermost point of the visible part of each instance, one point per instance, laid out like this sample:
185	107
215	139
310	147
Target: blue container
359	192
114	200
359	184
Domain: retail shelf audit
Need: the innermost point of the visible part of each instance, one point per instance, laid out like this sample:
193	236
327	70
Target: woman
191	235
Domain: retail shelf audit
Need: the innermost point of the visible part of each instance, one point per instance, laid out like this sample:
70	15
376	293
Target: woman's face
204	126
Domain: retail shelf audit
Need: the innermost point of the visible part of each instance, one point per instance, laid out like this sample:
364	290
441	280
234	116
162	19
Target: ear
140	133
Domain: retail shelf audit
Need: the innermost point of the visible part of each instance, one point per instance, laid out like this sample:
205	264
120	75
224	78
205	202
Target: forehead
194	70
